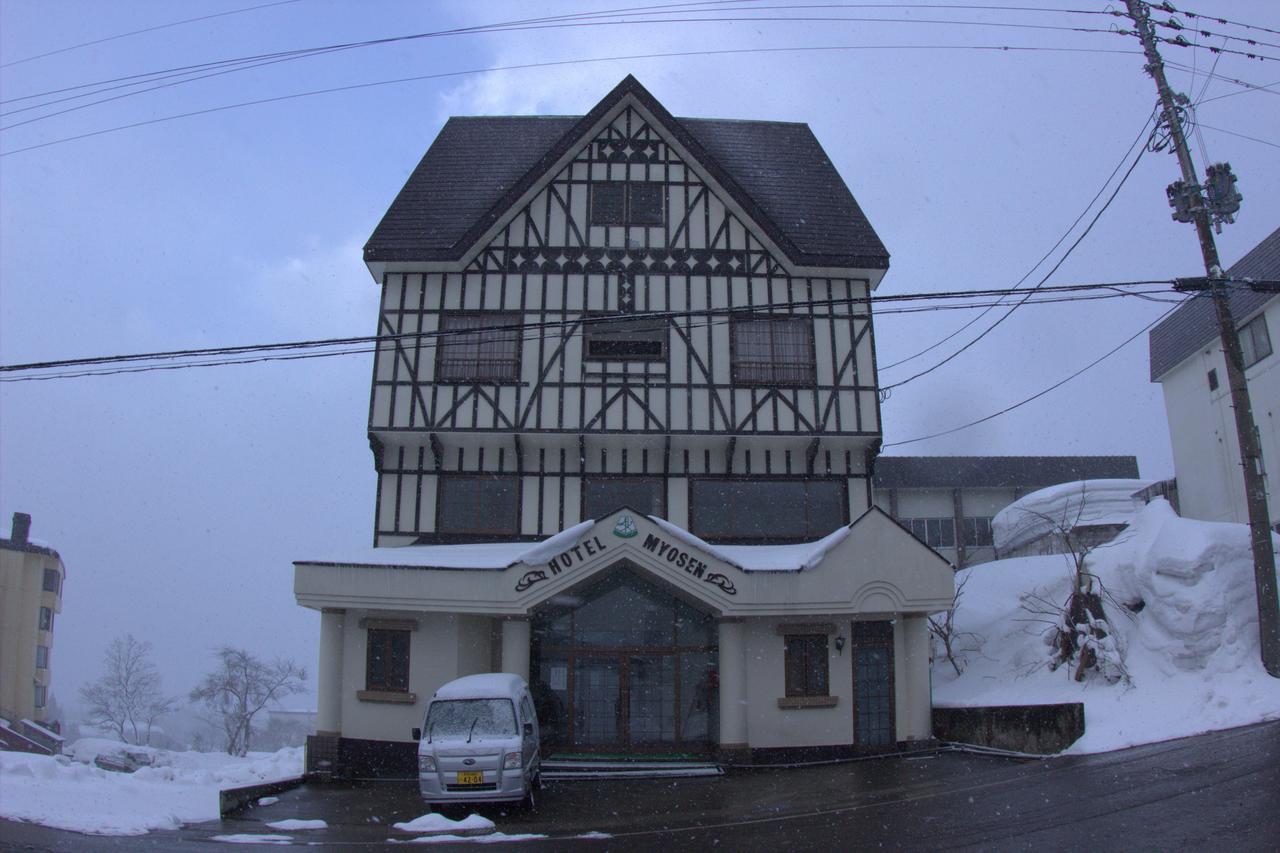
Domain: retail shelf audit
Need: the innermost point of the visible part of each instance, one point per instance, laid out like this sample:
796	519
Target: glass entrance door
597	701
651	700
620	665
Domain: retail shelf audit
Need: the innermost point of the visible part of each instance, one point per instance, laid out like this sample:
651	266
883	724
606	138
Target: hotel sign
678	558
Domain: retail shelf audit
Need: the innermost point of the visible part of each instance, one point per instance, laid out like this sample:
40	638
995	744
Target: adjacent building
948	502
31	577
1188	362
624	416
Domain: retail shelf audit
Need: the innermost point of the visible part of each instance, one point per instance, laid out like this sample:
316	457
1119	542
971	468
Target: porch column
515	646
733	685
329	676
919	717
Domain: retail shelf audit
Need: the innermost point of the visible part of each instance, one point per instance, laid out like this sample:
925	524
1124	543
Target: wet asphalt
1219	791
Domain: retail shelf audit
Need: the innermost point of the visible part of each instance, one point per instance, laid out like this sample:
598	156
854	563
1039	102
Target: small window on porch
387	661
807	663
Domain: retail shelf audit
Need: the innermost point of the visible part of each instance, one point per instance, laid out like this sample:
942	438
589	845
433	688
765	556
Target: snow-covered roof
496	556
1066	506
32	724
486	685
762	558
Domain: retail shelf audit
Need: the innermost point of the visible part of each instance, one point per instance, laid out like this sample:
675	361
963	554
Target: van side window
526	711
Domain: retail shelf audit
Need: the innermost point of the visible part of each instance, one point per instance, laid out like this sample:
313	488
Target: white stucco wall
1203	434
445	646
771	726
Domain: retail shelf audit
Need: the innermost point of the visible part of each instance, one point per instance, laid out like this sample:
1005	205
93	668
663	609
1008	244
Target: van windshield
471	718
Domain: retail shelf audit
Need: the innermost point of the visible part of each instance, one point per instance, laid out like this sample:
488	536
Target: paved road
1215	792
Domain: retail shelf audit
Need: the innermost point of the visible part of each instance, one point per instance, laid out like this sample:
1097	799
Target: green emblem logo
625	528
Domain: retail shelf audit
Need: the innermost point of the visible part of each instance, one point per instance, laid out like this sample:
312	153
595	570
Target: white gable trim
877	568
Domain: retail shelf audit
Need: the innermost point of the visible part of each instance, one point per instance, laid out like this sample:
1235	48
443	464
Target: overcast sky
179	499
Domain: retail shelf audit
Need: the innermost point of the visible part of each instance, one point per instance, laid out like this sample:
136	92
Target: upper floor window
619	203
479	347
602	495
51	580
977	532
934	532
1255	342
763	510
619	338
42	657
773	350
487	504
46	618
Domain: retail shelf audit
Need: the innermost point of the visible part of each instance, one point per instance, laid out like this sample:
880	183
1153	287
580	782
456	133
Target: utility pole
1246	433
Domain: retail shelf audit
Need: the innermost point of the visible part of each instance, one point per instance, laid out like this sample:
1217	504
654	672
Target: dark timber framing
547	268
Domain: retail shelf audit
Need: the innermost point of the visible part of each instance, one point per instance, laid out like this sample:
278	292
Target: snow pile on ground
492	838
294	825
433	822
1067	505
69	792
1180	596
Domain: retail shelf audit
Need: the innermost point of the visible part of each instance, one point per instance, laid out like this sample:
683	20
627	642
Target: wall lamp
840	641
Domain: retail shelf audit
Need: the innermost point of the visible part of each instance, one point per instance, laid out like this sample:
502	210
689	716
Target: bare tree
955	644
127	699
240	687
1080	632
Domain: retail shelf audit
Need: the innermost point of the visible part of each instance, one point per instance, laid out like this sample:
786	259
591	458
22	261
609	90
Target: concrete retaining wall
1037	729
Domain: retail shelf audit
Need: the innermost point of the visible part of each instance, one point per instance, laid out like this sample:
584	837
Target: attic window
617	203
1213	379
619	339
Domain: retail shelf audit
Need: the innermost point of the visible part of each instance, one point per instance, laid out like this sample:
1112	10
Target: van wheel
529	803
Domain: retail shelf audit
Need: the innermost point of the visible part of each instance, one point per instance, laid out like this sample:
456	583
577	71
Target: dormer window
619	203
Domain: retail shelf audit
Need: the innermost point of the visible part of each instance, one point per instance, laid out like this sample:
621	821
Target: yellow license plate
470	777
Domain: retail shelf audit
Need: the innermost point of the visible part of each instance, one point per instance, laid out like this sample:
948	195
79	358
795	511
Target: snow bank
433	822
1082	503
1191	647
68	792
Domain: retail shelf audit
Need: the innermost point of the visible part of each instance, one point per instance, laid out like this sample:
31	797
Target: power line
1234	133
142	77
1043	391
146	30
1038	286
1177	26
1064	293
651	9
224	67
1044	257
1181	42
1223	21
559	63
1252	87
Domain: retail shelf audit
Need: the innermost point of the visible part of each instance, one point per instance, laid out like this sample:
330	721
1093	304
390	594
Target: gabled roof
1195	323
997	472
478	167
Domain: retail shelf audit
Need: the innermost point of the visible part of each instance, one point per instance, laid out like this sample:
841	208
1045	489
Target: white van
479	741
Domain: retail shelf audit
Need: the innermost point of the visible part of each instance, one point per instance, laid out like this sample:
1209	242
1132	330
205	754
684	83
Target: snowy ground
69	792
1191	650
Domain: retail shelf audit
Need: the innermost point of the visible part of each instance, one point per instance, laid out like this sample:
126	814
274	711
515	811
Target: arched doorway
621	665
